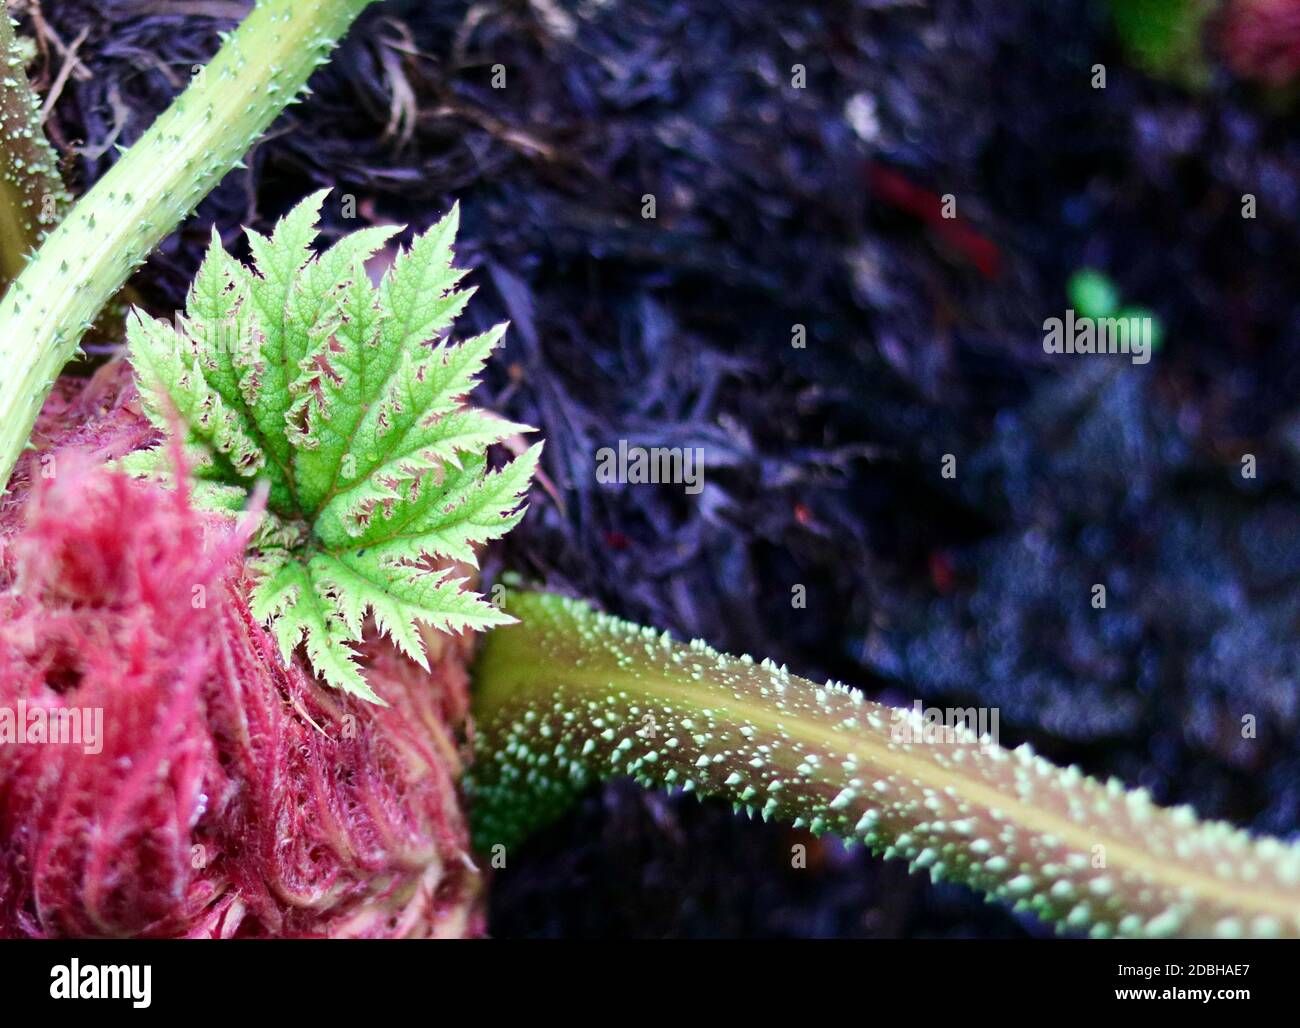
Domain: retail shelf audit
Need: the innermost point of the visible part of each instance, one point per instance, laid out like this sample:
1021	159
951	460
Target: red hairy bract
228	793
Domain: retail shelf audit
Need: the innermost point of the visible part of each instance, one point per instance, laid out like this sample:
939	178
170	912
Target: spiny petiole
570	696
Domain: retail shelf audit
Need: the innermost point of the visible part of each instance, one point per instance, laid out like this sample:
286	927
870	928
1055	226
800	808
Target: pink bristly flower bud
228	794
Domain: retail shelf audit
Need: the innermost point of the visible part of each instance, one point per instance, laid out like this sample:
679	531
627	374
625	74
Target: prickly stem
32	194
262	67
570	696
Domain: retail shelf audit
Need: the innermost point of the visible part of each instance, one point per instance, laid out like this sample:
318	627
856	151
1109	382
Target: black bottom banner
721	978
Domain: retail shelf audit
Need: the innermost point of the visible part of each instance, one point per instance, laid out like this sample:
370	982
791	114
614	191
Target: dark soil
923	338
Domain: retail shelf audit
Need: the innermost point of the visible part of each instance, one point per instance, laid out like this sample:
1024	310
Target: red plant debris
900	192
231	794
1261	40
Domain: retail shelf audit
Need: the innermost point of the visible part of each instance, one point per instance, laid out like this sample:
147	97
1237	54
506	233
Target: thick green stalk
569	696
32	195
262	67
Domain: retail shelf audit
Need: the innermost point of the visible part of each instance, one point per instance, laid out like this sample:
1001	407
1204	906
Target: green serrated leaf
399	602
300	608
207	487
283	341
173	385
468	508
419	294
340	395
413	426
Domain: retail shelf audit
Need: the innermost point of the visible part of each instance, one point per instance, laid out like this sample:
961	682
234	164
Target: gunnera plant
257	558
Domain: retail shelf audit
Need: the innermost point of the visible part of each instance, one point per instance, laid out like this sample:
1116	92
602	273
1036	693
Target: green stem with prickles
32	195
262	67
570	696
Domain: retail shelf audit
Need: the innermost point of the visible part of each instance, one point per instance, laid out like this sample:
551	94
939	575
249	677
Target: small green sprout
1093	295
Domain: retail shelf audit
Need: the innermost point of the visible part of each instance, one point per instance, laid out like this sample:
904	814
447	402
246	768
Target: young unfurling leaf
346	400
